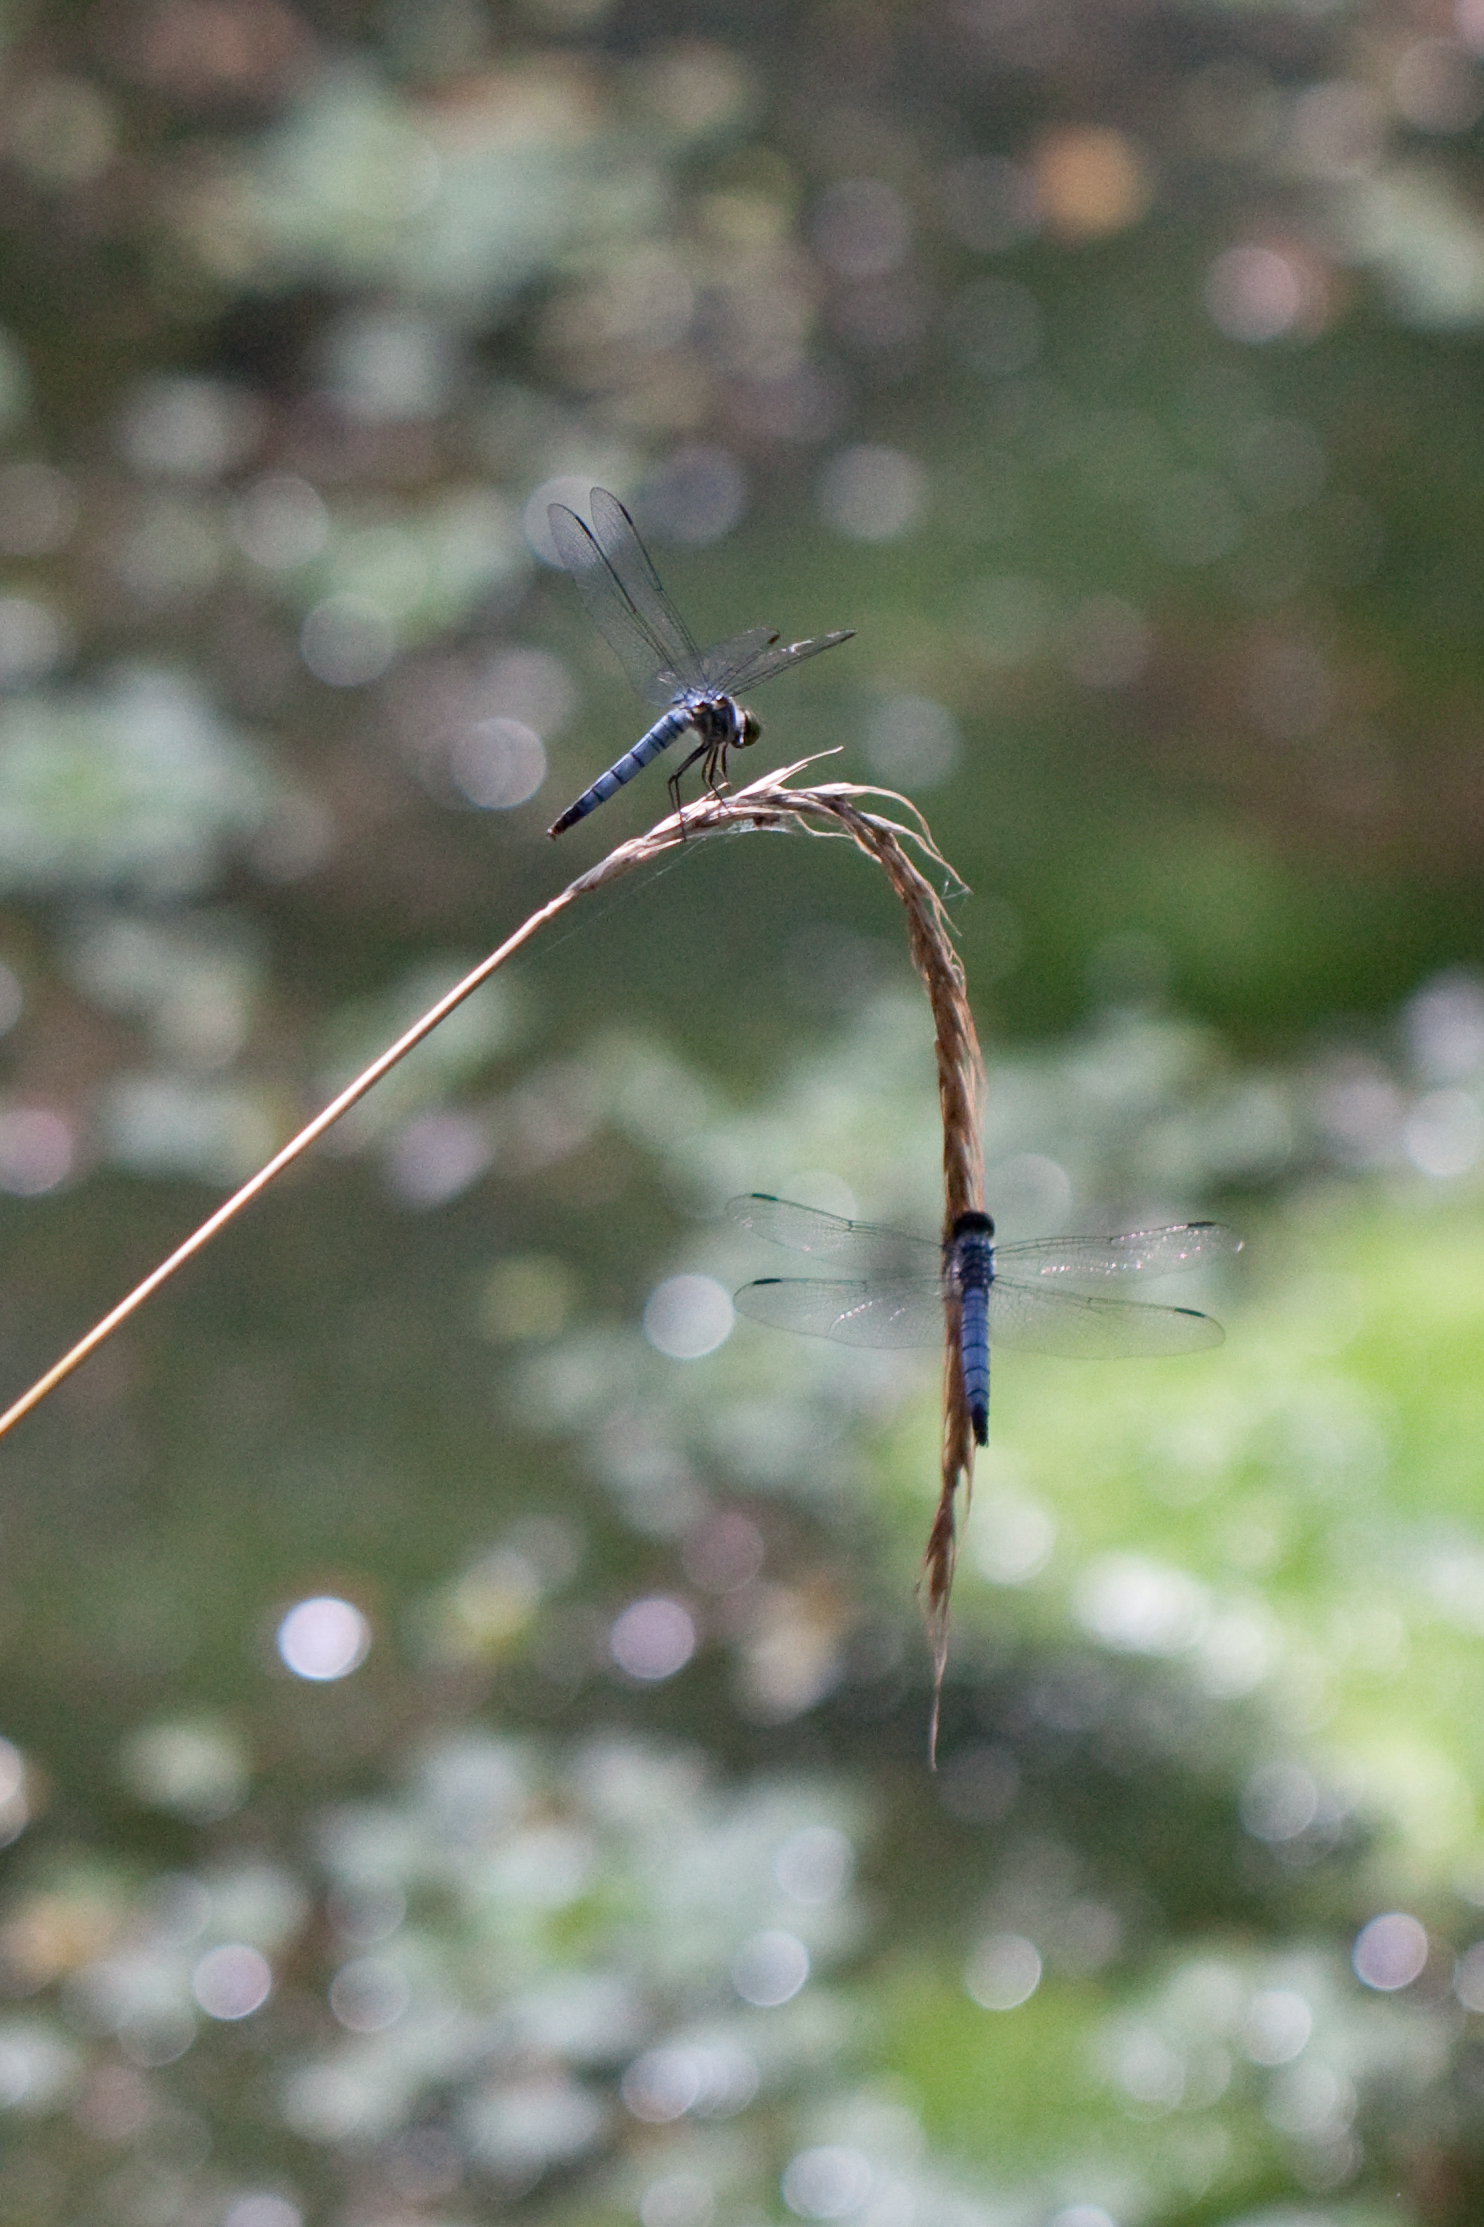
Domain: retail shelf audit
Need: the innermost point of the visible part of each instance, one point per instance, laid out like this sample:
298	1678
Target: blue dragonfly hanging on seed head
1049	1296
697	688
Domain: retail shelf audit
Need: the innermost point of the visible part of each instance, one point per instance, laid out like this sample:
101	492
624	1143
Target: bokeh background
464	1699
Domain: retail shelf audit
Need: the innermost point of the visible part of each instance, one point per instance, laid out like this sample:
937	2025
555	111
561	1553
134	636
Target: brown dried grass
901	848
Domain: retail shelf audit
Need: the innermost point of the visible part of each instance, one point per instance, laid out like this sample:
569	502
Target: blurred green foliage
1113	372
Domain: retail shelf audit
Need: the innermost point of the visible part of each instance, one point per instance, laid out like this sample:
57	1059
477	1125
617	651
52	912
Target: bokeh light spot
697	495
1003	1972
187	427
711	2080
1279	1801
1443	1135
769	1969
347	640
32	640
36	1150
814	1865
1279	2024
1390	1952
687	1317
677	2200
323	1638
232	1982
497	763
437	1156
872	493
1011	1535
1091	180
913	740
829	2182
1256	294
369	1994
196	1767
61	131
1437	86
725	1552
1468	1978
653	1638
279	521
263	2211
1141	1607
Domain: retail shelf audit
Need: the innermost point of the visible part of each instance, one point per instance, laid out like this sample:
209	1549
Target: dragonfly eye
751	729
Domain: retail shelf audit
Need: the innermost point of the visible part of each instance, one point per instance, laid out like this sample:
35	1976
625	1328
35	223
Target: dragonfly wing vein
1099	1260
1079	1327
887	1254
861	1314
769	658
630	563
639	650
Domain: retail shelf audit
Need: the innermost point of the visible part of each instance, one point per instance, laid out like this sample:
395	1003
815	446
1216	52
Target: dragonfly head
748	730
972	1225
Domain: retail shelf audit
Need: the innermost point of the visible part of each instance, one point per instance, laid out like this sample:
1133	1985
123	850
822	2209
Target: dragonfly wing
901	1314
885	1255
766	657
1086	1328
639	650
629	561
1099	1260
721	664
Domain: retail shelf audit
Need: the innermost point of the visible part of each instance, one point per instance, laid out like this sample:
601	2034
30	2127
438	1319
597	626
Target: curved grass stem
839	809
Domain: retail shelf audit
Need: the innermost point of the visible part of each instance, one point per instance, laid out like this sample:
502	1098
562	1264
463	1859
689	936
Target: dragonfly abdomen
660	736
971	1269
974	1353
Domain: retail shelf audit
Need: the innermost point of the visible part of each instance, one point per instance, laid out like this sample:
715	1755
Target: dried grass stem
832	809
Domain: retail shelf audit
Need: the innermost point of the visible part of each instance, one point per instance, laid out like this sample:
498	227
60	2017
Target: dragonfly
1048	1296
695	690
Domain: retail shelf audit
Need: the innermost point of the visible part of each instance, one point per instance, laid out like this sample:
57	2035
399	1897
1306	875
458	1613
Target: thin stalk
833	809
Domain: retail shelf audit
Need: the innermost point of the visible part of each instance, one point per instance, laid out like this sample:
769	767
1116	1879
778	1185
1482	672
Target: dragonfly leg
714	772
702	750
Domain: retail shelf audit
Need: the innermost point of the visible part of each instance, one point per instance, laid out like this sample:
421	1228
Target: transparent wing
1153	1252
1140	1252
621	591
896	1314
629	561
721	664
750	659
1088	1329
882	1255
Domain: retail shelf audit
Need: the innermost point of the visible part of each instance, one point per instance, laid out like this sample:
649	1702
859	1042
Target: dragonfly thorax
721	723
968	1256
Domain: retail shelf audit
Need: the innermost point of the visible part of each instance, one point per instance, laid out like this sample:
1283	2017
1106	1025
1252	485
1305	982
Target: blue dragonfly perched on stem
1049	1296
695	689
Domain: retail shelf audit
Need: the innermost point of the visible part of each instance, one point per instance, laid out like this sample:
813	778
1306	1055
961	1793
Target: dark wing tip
1233	1242
1215	1335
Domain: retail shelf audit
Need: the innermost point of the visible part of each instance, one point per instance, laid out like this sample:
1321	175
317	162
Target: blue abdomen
971	1266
